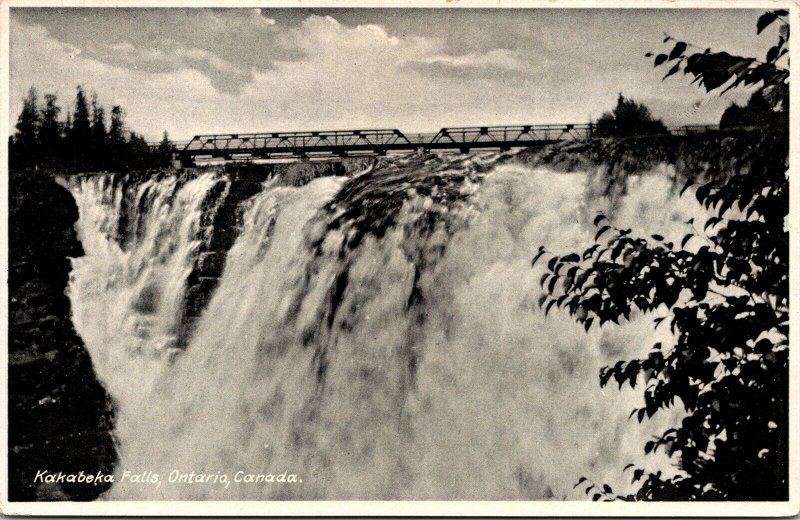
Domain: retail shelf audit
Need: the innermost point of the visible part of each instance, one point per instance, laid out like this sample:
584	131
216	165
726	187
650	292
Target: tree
628	118
757	112
140	156
99	134
50	131
727	301
117	147
80	137
82	140
165	150
26	140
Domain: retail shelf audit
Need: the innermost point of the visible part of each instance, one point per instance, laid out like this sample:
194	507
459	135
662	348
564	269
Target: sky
195	71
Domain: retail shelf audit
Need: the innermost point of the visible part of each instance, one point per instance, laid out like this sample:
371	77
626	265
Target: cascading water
377	337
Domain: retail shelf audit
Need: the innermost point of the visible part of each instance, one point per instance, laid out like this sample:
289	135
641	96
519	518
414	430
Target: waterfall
377	337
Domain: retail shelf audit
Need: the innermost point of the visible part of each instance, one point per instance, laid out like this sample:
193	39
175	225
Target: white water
503	403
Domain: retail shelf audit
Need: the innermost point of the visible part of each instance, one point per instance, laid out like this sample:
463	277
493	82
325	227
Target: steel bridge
355	143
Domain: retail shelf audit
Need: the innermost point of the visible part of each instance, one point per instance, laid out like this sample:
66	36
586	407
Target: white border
413	508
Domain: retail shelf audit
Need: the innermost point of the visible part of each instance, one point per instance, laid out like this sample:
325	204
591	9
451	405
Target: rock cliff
60	417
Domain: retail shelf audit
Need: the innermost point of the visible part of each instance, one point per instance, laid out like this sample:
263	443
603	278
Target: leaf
675	68
772	53
588	323
637	474
686	240
580	481
537	257
570	258
601	231
686	186
598	218
542	299
765	20
596	497
657	237
605	376
661	58
648	54
711	223
677	50
590	251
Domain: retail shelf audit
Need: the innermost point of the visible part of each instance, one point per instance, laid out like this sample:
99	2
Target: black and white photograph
452	257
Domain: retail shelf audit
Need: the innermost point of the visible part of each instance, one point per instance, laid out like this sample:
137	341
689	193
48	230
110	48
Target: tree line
85	139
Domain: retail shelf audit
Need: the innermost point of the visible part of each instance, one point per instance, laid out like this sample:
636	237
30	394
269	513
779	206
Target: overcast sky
191	71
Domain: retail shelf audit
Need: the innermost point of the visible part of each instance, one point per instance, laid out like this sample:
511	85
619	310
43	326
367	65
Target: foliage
727	303
116	144
165	150
81	141
98	144
26	141
80	131
757	113
628	118
713	70
50	130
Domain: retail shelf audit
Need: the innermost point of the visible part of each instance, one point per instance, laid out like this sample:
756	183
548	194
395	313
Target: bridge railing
292	142
513	134
423	138
693	129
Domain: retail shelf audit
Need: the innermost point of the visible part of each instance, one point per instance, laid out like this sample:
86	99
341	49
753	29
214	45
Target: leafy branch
726	303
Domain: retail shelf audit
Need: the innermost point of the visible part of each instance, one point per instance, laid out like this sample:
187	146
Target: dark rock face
60	417
222	222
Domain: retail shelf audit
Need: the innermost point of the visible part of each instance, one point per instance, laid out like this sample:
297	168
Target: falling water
378	337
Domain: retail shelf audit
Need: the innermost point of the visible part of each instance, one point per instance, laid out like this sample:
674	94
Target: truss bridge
356	143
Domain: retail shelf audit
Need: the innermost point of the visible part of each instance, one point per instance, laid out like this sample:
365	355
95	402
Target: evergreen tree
50	131
165	150
66	126
80	135
139	152
26	140
99	134
117	147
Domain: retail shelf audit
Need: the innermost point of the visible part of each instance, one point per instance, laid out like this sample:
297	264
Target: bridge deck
343	143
